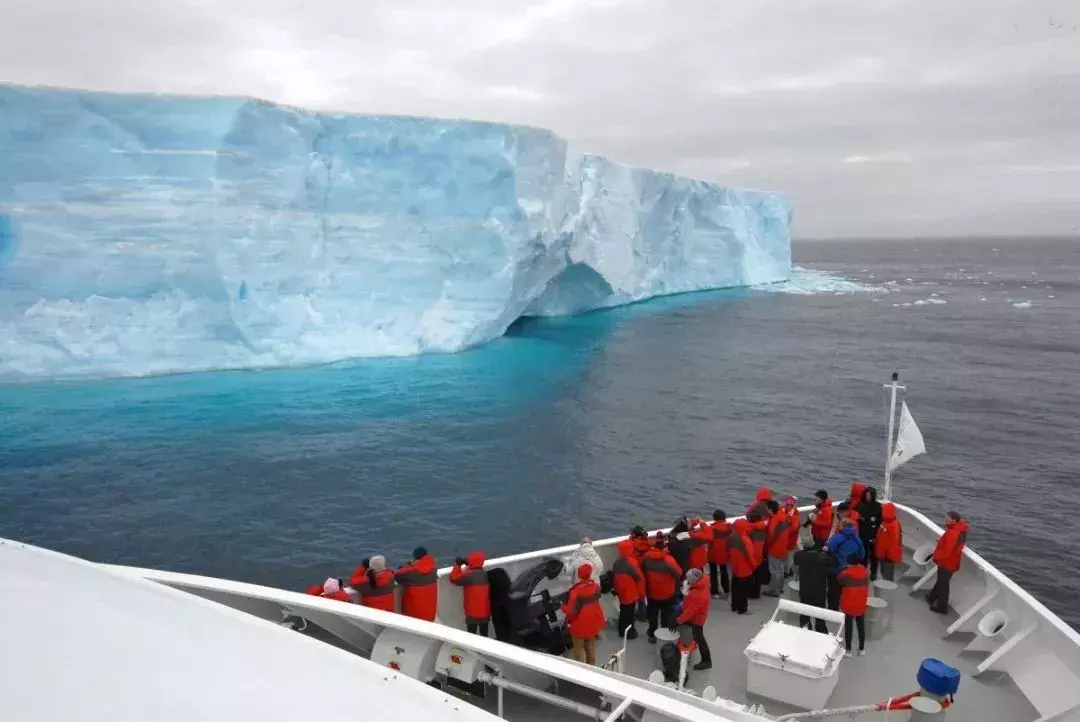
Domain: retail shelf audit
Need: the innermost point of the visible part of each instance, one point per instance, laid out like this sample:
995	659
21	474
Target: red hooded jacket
419	584
857	490
701	534
626	574
793	528
662	574
741	557
759	536
718	547
821	527
317	591
777	536
854	582
695	608
474	587
641	544
889	542
379	595
950	547
584	615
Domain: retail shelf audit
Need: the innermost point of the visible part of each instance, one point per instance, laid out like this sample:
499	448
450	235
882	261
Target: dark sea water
588	425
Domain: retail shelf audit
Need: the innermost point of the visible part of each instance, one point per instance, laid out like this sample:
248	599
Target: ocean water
588	425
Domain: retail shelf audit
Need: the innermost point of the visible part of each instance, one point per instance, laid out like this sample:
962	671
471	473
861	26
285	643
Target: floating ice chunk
1022	304
808	281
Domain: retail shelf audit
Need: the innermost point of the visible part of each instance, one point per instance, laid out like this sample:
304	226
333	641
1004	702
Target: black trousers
939	595
721	578
832	593
740	592
660	609
626	617
761	577
474	628
818	625
702	645
860	622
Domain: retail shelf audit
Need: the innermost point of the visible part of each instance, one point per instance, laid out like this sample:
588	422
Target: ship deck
887	670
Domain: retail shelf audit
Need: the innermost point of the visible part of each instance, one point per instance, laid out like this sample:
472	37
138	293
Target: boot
631	633
702	666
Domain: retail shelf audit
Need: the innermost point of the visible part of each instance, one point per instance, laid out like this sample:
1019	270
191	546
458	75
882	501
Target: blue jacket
843	544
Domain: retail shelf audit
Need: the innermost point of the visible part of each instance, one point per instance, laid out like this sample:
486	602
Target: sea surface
588	425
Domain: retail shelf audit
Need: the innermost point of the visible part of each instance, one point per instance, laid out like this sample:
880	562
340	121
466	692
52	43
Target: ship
85	640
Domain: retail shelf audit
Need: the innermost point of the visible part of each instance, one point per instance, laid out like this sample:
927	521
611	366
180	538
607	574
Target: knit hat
419	552
790	500
377	563
331	586
821	494
661	540
584	571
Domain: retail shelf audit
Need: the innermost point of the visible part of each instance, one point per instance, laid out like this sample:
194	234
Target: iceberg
148	234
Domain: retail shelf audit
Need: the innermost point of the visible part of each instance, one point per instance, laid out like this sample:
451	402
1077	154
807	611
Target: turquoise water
586	425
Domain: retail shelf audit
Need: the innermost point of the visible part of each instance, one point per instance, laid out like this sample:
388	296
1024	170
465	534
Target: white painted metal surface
82	642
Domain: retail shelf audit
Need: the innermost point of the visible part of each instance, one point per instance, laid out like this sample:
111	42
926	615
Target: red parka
419	584
701	534
695	609
854	582
584	615
718	547
777	539
889	542
741	557
662	574
319	591
821	527
793	528
627	578
950	547
379	595
474	587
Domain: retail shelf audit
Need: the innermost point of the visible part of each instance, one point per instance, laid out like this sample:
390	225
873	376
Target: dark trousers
740	592
475	628
626	618
873	568
832	593
702	645
860	623
818	625
939	595
721	578
659	609
761	577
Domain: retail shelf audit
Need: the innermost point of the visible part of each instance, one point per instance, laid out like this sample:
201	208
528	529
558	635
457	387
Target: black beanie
419	552
821	494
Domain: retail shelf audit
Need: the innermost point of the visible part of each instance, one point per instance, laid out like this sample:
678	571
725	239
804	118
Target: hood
873	493
626	549
475	559
959	525
425	564
888	511
849	531
857	489
764	494
584	571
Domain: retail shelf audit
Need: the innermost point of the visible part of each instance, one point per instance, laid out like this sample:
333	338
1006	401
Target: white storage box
796	666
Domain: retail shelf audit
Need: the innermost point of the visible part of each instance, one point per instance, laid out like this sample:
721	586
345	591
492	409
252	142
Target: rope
893	703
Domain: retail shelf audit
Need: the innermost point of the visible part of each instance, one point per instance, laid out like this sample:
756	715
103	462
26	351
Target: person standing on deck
776	544
869	510
695	612
821	520
759	533
662	576
791	508
889	543
718	554
857	490
469	574
854	580
330	589
639	538
678	542
584	615
844	544
376	585
947	556
701	534
815	568
419	582
743	563
629	585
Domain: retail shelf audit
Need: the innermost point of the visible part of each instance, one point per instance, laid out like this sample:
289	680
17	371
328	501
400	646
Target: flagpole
893	388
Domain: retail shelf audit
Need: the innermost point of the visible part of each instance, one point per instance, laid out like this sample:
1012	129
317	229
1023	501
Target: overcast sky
878	117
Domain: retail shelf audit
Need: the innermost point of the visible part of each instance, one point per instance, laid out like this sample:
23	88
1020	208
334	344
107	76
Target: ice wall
147	234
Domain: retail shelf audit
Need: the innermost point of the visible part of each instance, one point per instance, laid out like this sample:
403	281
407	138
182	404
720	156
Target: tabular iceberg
144	234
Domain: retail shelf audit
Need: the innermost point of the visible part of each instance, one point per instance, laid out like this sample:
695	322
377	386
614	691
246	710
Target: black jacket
869	516
679	548
815	566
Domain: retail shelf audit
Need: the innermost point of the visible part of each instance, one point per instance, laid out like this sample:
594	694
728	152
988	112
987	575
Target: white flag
909	440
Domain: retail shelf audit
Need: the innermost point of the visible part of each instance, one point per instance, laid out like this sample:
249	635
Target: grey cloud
879	118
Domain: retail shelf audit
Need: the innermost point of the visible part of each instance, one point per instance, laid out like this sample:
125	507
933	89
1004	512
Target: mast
893	388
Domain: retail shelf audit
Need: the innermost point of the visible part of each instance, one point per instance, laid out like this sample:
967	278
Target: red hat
584	571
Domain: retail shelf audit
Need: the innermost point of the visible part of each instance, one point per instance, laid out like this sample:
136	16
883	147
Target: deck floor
888	669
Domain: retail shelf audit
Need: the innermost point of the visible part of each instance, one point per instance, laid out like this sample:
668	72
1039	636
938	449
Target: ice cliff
146	234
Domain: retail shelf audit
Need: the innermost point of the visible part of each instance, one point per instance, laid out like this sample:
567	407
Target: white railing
360	625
